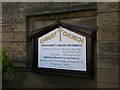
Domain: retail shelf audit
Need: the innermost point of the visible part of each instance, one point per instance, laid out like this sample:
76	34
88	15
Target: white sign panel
62	49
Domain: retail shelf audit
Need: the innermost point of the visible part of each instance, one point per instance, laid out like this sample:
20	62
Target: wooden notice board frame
90	35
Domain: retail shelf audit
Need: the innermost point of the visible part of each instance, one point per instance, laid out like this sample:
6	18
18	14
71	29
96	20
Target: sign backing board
62	49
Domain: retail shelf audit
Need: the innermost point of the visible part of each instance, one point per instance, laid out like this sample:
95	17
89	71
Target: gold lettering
73	37
65	33
60	34
80	40
42	41
60	30
48	37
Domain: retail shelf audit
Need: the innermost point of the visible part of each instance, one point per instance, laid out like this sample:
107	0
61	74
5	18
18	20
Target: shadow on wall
32	80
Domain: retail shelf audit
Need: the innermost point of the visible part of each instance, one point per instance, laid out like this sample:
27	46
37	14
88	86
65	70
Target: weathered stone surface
9	9
19	36
108	62
16	50
83	21
19	56
50	6
7	28
7	36
37	80
20	63
107	75
6	45
19	26
43	23
109	33
18	17
107	47
107	19
18	46
78	14
106	85
107	6
28	6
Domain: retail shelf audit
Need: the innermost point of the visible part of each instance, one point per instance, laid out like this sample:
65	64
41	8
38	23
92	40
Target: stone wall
13	31
107	45
15	40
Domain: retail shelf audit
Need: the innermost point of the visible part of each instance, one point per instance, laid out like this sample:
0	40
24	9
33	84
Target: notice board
64	49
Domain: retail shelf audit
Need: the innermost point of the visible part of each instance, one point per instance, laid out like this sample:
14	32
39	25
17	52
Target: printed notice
62	49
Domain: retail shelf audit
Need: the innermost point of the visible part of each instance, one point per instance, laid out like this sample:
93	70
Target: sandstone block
106	85
6	28
89	22
42	23
107	48
107	75
108	62
107	6
19	56
18	27
6	45
109	33
7	36
108	19
19	36
18	46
